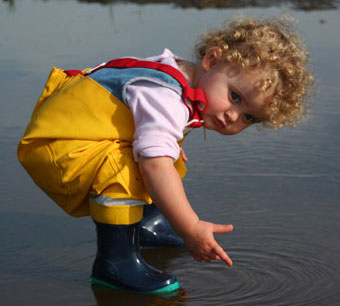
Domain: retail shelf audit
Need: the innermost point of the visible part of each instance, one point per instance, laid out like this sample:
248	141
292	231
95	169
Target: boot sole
166	289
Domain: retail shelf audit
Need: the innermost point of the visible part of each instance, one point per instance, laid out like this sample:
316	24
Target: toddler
106	142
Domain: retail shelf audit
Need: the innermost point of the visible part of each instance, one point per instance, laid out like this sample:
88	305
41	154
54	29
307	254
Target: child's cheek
243	127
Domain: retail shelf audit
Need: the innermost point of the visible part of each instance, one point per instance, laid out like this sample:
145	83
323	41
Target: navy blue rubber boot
120	265
155	230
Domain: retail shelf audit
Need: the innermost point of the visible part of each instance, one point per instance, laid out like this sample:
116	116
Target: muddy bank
311	5
201	4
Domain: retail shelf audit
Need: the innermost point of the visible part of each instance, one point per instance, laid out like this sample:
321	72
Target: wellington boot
120	265
155	230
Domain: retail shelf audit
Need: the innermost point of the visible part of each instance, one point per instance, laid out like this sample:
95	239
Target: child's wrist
188	230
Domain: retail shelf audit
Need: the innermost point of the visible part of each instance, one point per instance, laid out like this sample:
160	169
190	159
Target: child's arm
167	191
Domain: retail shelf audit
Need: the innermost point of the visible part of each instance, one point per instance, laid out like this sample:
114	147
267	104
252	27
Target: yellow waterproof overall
78	145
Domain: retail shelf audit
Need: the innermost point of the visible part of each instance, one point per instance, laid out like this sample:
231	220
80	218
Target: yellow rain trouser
78	146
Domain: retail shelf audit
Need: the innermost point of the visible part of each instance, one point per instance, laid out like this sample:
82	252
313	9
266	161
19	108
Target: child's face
233	99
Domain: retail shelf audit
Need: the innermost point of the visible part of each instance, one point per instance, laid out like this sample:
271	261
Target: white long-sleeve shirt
159	113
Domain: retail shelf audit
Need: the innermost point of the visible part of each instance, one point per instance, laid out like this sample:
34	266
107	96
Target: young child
105	142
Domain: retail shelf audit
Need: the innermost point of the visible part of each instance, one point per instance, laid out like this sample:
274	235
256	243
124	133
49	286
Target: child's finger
183	155
222	228
223	255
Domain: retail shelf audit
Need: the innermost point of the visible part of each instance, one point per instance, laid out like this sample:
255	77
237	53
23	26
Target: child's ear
211	58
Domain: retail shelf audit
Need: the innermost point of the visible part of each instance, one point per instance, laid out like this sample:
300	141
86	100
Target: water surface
280	189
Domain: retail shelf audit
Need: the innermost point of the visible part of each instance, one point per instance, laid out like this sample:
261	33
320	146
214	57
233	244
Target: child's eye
235	97
249	118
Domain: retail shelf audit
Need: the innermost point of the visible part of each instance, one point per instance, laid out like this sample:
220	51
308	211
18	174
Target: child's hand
202	244
167	191
183	155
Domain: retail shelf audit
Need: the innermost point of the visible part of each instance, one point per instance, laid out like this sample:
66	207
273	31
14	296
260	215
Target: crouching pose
106	142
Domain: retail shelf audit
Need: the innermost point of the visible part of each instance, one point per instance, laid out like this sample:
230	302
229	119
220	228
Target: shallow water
279	189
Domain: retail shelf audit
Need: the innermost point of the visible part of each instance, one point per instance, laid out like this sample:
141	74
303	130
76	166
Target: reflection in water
10	3
306	5
108	297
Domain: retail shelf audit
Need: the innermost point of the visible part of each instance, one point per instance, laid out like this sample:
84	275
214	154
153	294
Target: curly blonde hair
271	45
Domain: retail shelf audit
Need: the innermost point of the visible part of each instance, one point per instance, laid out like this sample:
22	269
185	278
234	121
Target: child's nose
232	115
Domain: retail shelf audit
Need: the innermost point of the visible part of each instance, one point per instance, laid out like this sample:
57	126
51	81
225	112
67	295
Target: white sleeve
160	117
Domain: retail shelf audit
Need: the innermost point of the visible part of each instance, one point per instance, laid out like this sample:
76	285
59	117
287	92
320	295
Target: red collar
194	99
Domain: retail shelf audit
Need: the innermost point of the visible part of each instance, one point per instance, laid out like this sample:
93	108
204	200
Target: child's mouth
219	122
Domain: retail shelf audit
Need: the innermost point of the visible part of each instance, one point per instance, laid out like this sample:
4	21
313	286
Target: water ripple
272	275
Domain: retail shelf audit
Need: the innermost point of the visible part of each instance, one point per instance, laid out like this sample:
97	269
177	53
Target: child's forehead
234	70
249	78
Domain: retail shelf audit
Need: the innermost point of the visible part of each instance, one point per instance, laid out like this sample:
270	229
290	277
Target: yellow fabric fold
79	141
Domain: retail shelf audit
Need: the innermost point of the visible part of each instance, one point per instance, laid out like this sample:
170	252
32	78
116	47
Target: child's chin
211	126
